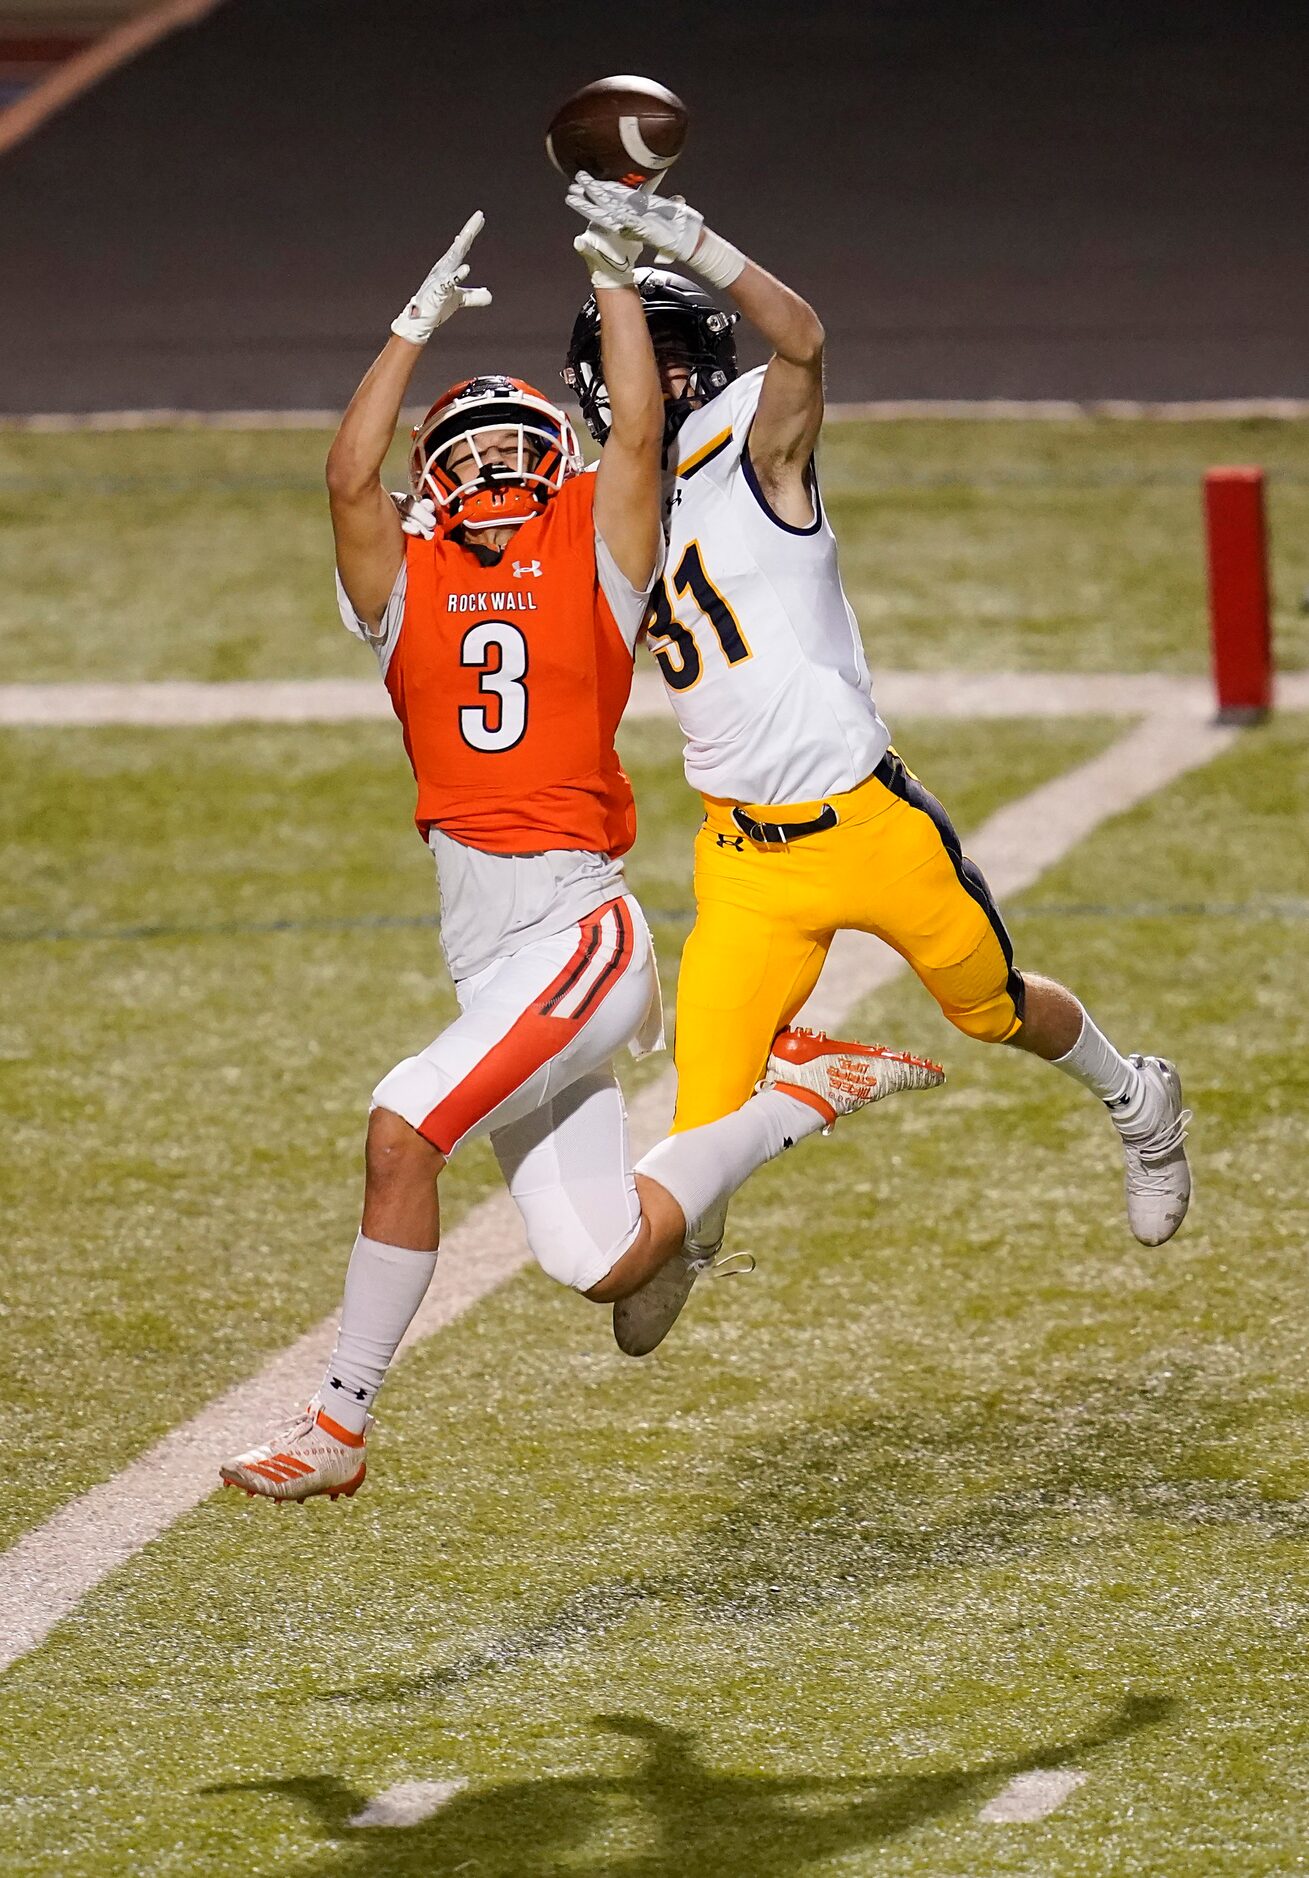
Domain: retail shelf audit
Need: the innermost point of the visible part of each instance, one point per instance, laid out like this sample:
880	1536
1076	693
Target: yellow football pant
765	917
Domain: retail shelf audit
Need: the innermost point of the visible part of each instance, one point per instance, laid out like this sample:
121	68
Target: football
622	130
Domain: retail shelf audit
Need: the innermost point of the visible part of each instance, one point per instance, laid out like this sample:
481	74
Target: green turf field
960	1484
984	545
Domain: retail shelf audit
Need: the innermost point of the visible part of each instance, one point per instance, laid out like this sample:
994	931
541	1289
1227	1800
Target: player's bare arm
790	412
365	521
628	491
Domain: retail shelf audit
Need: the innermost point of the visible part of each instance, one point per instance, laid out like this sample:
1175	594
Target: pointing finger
468	234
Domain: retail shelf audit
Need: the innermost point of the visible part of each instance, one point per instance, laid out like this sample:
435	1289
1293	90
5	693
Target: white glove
665	223
441	294
609	257
417	514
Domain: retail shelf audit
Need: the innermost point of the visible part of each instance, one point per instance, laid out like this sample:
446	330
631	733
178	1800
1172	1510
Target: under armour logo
731	841
526	567
787	1142
358	1394
677	498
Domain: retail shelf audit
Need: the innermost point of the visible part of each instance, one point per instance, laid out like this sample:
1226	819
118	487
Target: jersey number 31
678	658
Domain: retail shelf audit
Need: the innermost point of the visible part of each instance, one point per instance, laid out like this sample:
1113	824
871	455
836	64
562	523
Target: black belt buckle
779	834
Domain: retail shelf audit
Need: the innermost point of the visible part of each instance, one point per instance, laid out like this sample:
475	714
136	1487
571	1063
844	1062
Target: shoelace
1165	1145
734	1265
279	1433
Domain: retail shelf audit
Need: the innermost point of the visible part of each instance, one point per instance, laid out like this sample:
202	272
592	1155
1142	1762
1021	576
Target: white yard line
47	1573
1063	410
1031	1796
882	410
973	695
409	1803
178	702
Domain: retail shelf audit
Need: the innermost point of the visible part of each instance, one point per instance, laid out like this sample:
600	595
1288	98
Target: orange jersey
509	682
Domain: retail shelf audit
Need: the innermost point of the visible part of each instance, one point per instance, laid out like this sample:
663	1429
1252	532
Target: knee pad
571	1258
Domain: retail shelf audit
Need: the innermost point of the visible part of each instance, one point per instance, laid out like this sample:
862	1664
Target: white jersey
758	646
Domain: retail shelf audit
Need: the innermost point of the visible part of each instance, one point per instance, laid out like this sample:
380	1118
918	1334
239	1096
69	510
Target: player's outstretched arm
365	521
790	412
628	486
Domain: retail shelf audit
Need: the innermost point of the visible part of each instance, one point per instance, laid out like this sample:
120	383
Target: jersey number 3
499	724
679	657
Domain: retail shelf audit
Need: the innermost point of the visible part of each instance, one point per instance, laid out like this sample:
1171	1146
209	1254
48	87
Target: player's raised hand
663	222
667	224
443	294
609	257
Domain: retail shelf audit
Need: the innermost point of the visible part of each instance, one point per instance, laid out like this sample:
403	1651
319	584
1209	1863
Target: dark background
982	199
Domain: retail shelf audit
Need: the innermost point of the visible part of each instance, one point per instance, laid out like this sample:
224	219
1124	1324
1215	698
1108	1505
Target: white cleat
313	1455
836	1077
1158	1177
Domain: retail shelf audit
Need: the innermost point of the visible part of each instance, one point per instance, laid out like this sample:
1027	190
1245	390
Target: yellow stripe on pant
765	917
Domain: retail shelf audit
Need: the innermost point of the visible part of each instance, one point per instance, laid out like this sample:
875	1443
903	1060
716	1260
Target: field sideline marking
45	1574
879	410
952	694
1030	1796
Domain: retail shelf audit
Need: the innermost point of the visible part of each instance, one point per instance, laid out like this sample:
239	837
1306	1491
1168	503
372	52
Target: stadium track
1082	202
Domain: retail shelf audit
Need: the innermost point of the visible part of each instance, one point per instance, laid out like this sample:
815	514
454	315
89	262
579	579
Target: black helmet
686	328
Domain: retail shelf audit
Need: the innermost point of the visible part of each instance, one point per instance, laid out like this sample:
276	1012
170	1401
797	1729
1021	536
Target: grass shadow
673	1816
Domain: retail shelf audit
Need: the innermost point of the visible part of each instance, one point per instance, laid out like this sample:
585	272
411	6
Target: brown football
622	130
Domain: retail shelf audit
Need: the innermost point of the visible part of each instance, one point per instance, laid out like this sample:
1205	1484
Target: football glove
609	256
442	295
417	514
666	223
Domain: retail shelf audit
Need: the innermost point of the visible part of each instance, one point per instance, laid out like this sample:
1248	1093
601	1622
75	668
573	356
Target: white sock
1094	1062
705	1166
384	1286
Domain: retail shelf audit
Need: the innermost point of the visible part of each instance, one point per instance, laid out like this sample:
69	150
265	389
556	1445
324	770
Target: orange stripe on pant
539	1034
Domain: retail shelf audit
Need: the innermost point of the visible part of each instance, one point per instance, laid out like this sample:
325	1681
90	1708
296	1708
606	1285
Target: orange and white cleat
837	1077
313	1455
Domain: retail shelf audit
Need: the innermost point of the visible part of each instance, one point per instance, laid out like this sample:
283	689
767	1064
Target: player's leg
618	1234
760	938
526	1024
934	906
568	1167
747	967
1142	1094
745	972
598	1224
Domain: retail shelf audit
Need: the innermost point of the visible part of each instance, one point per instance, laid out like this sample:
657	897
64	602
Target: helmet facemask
687	331
474	422
702	374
